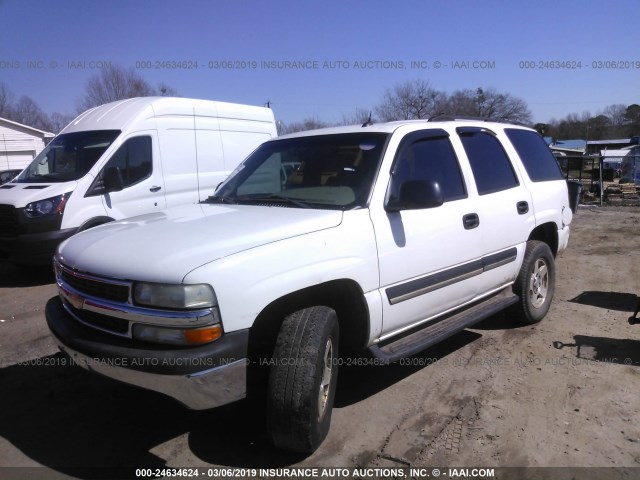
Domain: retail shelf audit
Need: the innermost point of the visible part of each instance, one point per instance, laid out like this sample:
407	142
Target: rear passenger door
429	258
503	204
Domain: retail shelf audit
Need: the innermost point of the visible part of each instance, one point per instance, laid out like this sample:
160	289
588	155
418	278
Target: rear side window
430	157
490	164
536	156
133	159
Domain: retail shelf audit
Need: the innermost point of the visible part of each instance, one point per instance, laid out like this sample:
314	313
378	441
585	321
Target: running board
416	340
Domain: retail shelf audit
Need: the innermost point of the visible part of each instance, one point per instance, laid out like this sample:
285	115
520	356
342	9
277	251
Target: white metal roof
10	124
117	115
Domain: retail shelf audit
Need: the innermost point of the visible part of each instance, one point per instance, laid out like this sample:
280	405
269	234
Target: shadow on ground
605	350
623	302
12	276
76	422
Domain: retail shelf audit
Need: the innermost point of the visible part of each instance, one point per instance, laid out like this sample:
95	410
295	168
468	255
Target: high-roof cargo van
123	159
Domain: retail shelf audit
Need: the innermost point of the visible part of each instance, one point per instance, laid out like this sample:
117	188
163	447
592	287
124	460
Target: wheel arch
94	222
547	233
344	296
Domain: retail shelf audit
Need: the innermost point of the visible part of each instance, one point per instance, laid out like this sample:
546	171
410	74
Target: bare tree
598	127
114	83
462	102
5	101
411	100
616	114
59	120
27	112
570	127
166	90
488	103
358	117
310	123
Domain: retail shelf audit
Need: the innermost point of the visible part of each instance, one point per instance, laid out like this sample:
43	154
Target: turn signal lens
203	335
177	336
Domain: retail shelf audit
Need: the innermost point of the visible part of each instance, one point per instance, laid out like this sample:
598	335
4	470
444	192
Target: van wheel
536	282
302	379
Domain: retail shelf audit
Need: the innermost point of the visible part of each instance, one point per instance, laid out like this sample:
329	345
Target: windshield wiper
274	197
220	199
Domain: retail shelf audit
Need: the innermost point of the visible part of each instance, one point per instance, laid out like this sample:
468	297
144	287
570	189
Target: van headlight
48	206
181	297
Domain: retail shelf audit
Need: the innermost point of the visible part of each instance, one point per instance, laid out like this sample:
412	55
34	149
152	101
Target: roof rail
449	118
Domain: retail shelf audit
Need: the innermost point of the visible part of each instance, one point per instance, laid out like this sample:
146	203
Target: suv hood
165	246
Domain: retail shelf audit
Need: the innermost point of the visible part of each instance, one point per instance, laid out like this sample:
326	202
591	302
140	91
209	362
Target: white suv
387	238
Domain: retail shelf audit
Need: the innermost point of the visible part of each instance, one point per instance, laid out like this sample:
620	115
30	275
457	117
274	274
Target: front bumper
30	241
199	377
33	248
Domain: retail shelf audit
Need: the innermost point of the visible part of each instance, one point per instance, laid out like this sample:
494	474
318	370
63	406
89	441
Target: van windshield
68	157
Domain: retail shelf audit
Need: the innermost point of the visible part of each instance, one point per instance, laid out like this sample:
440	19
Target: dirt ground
563	393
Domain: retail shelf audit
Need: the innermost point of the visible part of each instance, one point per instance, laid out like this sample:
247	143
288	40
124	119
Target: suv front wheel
302	379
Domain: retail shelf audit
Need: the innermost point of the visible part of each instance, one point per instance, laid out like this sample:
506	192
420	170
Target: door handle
154	189
470	221
523	207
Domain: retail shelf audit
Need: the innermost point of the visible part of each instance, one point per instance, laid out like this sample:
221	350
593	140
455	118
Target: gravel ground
563	393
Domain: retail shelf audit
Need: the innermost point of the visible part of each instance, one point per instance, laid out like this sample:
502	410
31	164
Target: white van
123	159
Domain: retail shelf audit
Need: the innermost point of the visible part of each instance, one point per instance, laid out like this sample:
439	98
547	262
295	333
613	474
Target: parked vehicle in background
388	237
8	175
123	159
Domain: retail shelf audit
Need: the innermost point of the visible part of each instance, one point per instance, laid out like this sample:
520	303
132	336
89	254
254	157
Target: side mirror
112	180
415	195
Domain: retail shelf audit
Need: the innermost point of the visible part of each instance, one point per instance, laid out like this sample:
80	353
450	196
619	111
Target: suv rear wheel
302	379
536	282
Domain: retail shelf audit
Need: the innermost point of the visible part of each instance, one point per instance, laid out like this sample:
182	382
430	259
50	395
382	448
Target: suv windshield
325	171
68	157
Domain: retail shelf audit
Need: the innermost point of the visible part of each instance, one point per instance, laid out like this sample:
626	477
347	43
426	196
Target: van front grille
8	221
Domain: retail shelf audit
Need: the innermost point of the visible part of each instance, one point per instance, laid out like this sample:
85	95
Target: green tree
632	119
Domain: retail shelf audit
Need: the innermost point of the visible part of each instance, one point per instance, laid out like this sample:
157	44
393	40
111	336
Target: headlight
161	295
49	206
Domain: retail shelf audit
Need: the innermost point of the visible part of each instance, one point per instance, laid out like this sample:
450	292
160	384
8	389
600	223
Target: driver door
138	162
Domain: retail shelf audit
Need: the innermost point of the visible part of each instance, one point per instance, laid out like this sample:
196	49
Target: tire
302	379
536	282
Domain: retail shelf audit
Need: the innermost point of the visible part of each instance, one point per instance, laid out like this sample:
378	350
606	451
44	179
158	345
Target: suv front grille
8	221
96	288
102	322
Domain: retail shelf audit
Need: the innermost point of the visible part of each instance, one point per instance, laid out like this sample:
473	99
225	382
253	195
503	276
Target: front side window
68	157
490	164
324	171
429	158
134	160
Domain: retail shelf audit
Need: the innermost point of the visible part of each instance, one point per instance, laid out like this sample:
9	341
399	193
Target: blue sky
40	39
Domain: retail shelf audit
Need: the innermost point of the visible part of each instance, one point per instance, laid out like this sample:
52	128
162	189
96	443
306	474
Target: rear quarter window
538	161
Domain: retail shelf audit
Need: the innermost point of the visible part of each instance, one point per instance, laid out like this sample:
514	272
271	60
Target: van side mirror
112	180
415	195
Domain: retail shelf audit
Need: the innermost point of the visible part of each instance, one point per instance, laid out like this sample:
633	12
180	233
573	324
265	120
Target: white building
613	158
19	144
